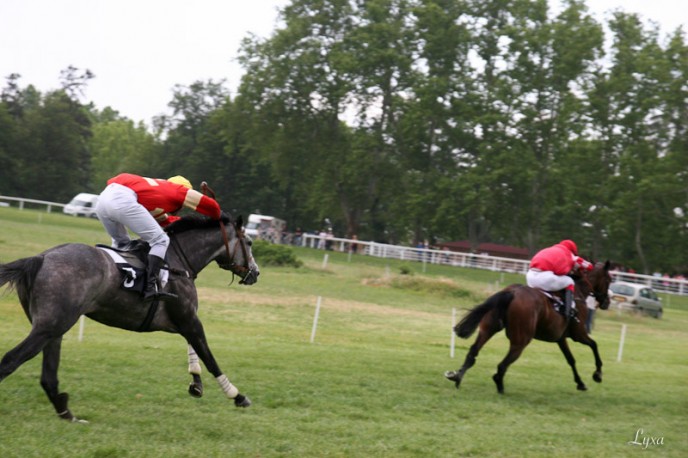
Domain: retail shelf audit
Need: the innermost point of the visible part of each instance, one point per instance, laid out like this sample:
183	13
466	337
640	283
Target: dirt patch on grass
439	286
216	297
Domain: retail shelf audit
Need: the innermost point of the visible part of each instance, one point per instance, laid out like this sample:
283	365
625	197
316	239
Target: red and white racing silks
558	259
161	197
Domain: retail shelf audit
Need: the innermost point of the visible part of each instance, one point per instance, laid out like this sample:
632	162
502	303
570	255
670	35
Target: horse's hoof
499	383
582	387
597	376
242	401
195	390
453	376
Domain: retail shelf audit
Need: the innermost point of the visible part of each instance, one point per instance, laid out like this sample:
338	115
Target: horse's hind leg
484	334
23	352
50	383
564	346
515	350
196	386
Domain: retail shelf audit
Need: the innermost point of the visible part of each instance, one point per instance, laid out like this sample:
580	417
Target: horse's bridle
601	298
245	271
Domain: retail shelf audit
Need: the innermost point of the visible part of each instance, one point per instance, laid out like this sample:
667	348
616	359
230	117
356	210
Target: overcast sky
139	49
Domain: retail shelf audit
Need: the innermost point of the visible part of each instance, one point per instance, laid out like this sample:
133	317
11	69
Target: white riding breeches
119	209
547	281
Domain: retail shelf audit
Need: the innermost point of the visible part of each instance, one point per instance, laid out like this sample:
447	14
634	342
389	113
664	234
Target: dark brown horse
526	314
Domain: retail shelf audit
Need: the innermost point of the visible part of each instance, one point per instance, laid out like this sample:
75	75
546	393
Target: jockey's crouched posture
145	205
550	267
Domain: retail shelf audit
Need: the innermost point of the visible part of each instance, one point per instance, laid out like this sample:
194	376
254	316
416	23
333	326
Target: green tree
186	150
8	166
631	102
51	149
117	146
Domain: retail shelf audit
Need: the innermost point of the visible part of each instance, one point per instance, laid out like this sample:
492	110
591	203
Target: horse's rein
591	289
206	190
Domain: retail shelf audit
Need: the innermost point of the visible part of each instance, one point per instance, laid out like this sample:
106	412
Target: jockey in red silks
550	267
145	205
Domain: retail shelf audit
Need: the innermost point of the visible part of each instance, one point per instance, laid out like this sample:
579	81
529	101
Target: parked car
632	296
265	227
83	204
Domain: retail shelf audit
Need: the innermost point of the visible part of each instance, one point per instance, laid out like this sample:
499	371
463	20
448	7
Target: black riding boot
153	290
568	302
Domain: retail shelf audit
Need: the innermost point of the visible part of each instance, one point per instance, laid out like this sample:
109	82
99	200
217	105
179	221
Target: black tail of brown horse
498	302
20	275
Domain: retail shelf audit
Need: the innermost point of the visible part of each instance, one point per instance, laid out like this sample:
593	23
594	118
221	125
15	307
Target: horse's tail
20	275
498	301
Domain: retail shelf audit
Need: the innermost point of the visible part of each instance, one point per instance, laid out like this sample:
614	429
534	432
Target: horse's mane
196	221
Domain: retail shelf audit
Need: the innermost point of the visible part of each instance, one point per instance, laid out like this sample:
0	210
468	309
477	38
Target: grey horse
59	285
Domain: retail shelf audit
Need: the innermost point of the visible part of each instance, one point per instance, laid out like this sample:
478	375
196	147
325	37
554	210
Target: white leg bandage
230	390
194	366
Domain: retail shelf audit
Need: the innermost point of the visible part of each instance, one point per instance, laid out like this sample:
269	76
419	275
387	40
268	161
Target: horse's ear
239	222
607	265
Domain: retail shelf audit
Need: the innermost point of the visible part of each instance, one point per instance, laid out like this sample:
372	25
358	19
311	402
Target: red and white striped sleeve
202	204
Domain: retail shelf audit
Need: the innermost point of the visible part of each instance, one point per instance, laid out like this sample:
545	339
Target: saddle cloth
132	269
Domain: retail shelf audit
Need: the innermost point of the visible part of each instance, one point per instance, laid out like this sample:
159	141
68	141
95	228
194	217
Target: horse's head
195	239
237	256
599	280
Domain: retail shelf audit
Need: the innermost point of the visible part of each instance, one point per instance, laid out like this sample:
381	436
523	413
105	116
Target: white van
83	204
265	227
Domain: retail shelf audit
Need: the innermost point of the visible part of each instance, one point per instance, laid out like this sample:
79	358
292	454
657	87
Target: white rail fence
426	255
478	261
21	202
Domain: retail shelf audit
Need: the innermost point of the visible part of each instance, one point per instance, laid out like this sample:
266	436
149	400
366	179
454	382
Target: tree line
405	121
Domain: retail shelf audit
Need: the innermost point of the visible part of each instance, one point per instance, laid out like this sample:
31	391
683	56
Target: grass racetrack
370	385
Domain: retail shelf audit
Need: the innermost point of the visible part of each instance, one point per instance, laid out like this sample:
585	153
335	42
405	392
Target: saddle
135	252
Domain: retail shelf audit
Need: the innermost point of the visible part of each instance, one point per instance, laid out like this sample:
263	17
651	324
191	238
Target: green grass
370	385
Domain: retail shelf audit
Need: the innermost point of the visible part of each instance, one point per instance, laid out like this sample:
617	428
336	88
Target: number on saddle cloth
131	263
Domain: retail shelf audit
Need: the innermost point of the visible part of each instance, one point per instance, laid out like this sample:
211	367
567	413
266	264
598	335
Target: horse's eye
250	243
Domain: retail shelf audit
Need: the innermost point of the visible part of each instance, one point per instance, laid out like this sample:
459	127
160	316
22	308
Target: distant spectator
353	247
591	303
328	240
298	236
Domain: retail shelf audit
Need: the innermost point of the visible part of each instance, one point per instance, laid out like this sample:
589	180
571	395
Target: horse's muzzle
250	278
604	305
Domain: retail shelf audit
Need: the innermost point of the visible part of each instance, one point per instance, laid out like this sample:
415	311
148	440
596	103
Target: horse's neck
198	247
582	287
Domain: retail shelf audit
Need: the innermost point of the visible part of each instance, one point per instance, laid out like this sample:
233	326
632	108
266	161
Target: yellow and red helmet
178	179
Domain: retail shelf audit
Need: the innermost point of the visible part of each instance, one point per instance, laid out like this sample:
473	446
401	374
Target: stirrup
158	295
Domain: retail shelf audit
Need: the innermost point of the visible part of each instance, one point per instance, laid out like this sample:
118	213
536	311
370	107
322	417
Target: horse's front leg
597	375
196	385
587	340
564	346
195	336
